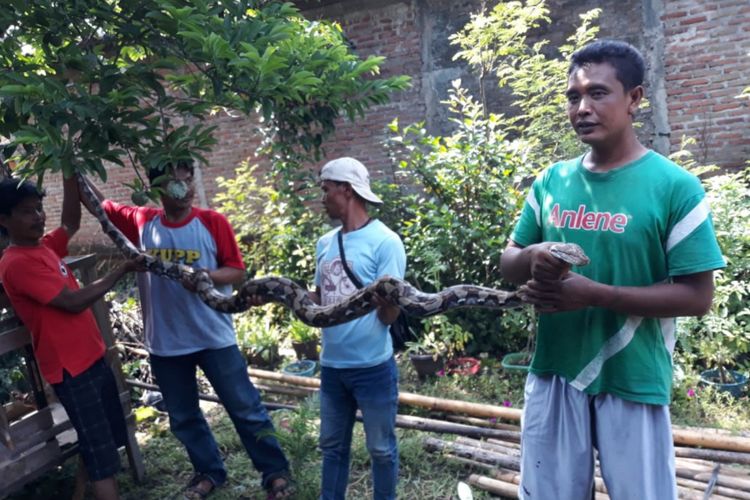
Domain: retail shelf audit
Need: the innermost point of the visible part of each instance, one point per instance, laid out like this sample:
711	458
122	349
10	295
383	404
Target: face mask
177	189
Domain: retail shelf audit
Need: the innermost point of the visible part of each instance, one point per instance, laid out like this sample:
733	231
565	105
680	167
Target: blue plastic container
303	368
709	377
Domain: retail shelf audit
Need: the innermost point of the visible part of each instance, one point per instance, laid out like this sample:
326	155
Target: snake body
296	298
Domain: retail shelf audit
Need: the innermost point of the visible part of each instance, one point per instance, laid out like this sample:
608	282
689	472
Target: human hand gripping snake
295	297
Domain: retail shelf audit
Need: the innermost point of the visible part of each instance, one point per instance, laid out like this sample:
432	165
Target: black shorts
93	405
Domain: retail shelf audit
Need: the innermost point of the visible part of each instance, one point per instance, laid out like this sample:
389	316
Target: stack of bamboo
710	463
704	456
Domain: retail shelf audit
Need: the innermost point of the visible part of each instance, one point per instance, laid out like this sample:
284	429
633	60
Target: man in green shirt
602	370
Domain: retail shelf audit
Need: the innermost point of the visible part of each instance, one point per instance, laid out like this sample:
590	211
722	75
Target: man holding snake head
602	369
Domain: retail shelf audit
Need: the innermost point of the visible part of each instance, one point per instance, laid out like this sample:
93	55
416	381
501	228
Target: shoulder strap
355	281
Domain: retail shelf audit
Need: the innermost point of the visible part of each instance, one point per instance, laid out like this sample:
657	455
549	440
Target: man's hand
137	265
544	266
569	293
191	283
387	311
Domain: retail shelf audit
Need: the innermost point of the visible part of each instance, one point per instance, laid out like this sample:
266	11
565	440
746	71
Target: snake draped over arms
296	298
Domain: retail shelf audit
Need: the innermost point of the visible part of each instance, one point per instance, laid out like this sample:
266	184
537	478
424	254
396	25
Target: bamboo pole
285	389
432	444
409	399
682	436
402	421
710	440
730	457
206	397
482	422
494	486
734	482
495	447
439	426
718	490
477	454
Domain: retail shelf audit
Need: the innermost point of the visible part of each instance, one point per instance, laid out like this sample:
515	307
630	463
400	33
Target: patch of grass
424	476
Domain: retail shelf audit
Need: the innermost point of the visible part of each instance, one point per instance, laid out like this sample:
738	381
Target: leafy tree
87	82
497	43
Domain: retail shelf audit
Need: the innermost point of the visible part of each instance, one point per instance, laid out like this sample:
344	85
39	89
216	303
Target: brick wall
697	60
707	66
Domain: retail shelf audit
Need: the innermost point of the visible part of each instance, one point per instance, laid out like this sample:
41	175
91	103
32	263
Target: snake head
570	253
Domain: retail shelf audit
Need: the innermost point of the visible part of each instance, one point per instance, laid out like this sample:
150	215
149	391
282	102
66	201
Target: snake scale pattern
296	298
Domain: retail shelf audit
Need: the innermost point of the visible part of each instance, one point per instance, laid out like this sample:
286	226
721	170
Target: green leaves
496	43
133	81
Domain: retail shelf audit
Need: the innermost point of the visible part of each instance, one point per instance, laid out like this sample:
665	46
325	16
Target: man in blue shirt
358	368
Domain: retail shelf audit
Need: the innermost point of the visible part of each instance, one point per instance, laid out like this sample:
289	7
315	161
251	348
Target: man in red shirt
66	339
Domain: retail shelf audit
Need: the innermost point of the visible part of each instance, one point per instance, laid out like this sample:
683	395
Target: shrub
464	191
721	338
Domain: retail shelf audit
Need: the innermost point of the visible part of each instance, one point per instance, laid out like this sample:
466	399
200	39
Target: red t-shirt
32	277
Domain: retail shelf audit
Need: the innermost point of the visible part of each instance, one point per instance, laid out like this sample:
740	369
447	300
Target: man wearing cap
358	369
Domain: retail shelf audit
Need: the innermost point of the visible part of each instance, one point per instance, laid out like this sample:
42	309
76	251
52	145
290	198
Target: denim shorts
92	402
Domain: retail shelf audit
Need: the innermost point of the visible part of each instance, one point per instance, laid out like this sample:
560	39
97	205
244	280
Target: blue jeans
226	370
374	391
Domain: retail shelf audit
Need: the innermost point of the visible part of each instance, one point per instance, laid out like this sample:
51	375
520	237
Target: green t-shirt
640	224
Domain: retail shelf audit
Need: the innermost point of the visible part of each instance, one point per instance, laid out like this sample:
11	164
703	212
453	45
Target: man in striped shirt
602	369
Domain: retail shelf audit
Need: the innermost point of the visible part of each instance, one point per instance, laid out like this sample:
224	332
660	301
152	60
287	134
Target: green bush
721	338
465	190
277	229
456	222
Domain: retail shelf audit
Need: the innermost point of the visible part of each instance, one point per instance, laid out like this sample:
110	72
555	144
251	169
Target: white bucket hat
349	170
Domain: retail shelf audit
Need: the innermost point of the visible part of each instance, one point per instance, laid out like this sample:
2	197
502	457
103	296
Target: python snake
296	298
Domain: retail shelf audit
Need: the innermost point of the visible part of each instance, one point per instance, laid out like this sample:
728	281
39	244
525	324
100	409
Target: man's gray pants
561	428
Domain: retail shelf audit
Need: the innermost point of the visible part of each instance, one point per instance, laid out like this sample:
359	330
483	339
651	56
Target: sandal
197	489
280	487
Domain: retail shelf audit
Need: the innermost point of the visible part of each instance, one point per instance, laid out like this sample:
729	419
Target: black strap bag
399	329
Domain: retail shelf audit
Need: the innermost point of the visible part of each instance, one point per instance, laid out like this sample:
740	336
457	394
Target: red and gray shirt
175	320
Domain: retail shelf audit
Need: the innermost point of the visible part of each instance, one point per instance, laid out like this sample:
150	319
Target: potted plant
440	340
259	339
720	340
305	340
302	368
521	360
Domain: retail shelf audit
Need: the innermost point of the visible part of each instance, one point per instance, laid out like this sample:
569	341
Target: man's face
599	108
334	198
25	224
178	190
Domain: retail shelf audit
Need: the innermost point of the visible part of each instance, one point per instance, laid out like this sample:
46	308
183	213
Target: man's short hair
156	172
626	59
14	191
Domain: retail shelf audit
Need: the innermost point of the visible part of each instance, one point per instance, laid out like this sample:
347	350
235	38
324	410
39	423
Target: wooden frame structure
31	445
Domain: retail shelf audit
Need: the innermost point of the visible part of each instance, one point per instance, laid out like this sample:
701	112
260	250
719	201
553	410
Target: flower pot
425	364
463	366
517	361
304	368
307	350
712	378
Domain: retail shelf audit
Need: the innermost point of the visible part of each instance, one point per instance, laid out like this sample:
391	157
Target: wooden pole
711	440
406	398
682	436
494	486
718	490
207	397
729	457
432	444
477	453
